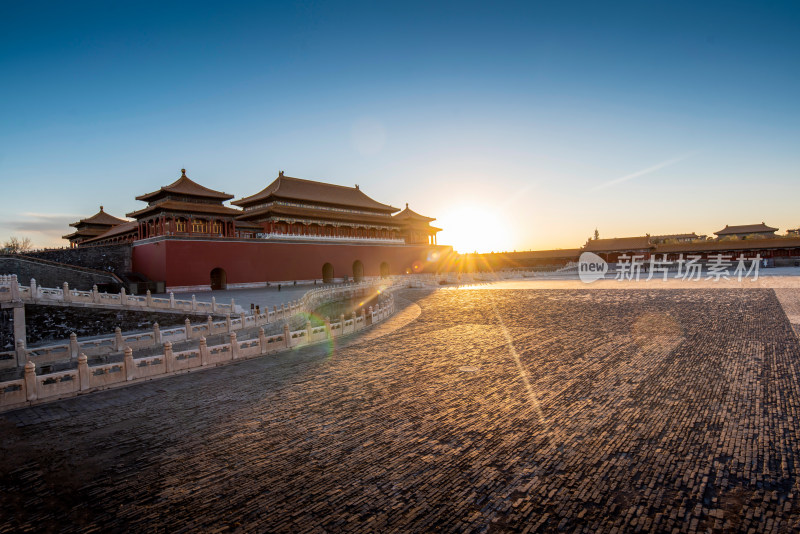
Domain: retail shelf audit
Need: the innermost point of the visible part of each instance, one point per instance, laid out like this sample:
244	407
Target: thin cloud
648	170
37	215
45	229
44	223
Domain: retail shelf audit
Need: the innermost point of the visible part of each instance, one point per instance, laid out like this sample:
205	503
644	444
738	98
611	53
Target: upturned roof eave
218	210
277	189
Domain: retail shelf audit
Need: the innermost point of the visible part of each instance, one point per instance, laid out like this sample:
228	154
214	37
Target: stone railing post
328	327
22	354
148	297
156	334
130	365
308	332
213	304
95	294
234	346
123	297
242	318
34	289
210	325
15	289
354	320
171	300
341	322
118	342
228	322
187	324
274	312
194	303
363	318
73	345
83	372
30	381
262	341
169	360
203	351
66	296
371	315
287	335
233	306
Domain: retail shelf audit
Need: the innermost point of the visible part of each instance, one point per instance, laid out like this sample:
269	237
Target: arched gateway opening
327	273
358	271
219	280
384	270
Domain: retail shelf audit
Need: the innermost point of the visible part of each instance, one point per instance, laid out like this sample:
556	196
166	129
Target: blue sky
529	124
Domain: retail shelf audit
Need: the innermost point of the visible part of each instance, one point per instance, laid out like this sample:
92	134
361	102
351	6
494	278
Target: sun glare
475	229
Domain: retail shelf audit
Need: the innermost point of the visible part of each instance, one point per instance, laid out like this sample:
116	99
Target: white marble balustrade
34	389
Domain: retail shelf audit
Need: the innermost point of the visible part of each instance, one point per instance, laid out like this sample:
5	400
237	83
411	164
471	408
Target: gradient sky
537	121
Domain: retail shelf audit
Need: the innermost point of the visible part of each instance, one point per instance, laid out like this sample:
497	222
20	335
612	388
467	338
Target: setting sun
475	229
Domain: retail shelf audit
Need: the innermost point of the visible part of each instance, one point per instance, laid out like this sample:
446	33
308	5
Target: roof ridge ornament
183	173
280	174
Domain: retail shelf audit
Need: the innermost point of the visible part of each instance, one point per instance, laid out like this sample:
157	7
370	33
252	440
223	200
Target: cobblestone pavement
610	410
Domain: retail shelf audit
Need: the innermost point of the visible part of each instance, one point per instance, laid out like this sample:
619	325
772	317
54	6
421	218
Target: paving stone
608	411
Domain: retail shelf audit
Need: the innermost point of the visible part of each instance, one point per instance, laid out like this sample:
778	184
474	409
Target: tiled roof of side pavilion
411	215
286	187
101	217
746	229
186	186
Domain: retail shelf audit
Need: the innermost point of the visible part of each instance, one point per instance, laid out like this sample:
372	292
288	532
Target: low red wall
189	262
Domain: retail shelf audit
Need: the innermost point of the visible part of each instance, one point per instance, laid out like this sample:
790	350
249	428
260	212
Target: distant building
675	238
611	249
746	231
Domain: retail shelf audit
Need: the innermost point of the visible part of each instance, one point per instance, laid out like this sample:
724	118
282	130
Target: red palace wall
183	263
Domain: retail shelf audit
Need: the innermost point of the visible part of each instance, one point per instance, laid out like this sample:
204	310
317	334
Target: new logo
591	267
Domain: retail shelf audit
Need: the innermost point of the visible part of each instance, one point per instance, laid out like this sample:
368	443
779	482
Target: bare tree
15	245
596	234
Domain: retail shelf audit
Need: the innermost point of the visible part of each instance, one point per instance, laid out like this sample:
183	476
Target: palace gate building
292	230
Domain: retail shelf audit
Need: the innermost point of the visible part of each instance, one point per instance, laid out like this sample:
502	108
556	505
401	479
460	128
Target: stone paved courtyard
609	410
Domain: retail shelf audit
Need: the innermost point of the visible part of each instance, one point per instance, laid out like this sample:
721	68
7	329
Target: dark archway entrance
384	270
219	280
358	271
327	273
